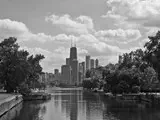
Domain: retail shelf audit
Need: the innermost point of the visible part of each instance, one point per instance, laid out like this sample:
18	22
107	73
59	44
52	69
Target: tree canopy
17	66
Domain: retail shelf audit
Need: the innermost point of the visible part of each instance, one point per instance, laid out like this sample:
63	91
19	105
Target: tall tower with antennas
73	52
74	63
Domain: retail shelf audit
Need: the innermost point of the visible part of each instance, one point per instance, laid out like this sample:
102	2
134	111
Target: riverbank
8	101
152	98
37	96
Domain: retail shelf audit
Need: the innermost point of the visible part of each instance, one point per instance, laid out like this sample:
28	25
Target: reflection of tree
123	110
90	97
93	105
43	110
32	110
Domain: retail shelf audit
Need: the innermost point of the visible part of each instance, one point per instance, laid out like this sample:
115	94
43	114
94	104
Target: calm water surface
67	104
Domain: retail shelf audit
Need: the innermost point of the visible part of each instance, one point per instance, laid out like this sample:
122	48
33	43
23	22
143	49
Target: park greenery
136	71
19	71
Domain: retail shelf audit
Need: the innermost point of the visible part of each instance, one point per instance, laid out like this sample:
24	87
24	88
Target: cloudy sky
101	28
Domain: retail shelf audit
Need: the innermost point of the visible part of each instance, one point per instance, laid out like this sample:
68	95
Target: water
70	104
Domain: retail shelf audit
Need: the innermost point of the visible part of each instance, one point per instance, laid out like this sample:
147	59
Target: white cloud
80	25
52	59
138	9
12	28
41	37
133	13
96	47
120	34
9	28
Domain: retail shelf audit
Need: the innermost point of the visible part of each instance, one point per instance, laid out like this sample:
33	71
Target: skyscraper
87	62
74	65
97	63
120	59
84	70
80	72
67	61
66	74
92	63
73	53
56	71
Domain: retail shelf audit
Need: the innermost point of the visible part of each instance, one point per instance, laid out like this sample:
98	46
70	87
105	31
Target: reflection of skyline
74	110
72	105
76	105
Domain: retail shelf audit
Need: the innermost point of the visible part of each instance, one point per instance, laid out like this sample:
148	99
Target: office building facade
87	62
66	74
97	63
92	63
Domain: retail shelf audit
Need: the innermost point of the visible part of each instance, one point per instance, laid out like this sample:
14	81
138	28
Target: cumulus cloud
96	47
80	25
52	59
19	30
12	28
119	34
142	12
138	9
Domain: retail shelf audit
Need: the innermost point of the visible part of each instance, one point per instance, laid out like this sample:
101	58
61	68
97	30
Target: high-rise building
81	72
84	70
73	53
97	63
57	75
80	77
67	61
120	59
56	71
87	62
92	63
80	67
74	66
66	74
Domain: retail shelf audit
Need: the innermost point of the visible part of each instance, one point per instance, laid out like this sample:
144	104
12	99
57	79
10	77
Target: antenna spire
75	44
71	43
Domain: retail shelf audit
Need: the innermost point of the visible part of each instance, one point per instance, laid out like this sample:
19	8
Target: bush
24	90
135	89
87	84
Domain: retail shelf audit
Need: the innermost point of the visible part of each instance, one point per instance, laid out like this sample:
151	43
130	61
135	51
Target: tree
16	67
13	64
152	52
95	83
135	89
88	74
134	58
35	69
87	84
149	76
123	87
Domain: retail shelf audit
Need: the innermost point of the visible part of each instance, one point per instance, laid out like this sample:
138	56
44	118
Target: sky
103	29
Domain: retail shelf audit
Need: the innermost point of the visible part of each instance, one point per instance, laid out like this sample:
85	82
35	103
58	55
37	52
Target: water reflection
82	105
12	113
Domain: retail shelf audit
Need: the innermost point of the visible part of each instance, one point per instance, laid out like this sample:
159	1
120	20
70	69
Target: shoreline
8	103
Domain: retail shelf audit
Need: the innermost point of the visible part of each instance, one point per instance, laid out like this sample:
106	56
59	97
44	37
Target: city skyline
101	28
72	71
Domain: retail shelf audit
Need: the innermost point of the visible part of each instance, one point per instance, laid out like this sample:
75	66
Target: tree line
135	71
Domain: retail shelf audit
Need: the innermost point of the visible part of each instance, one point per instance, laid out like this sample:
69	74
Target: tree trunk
8	88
